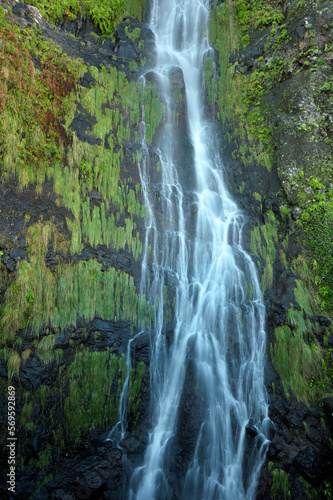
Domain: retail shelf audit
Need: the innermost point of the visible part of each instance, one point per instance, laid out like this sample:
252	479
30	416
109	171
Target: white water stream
218	313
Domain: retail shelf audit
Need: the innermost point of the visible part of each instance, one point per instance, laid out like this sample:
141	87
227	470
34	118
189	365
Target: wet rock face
298	131
26	15
96	467
176	78
133	42
298	110
93	467
176	83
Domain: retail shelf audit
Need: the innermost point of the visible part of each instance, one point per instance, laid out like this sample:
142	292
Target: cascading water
218	310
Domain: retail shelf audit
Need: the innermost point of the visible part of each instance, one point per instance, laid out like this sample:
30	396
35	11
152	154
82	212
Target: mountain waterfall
218	313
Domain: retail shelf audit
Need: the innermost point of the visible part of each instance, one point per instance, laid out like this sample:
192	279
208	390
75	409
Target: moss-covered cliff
271	89
72	225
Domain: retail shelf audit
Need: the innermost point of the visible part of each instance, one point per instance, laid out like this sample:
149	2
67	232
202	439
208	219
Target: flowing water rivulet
218	314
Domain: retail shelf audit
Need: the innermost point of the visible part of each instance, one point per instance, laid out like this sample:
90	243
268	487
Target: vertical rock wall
270	86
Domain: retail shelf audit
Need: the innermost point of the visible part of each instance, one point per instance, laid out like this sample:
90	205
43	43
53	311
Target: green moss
100	166
303	297
298	359
134	34
54	298
317	227
132	65
89	167
211	86
26	409
44	349
63	296
13	364
43	389
134	399
90	402
240	96
25	355
33	103
323	490
38	296
263	244
137	8
30	426
267	277
280	482
257	14
44	457
177	96
105	14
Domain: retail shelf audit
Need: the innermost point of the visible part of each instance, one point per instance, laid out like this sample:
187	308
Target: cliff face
72	227
72	223
272	91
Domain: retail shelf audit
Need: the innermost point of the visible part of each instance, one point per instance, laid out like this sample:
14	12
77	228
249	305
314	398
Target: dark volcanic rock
83	122
129	37
176	78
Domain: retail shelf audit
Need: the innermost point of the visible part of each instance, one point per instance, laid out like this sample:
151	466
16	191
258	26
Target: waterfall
218	313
